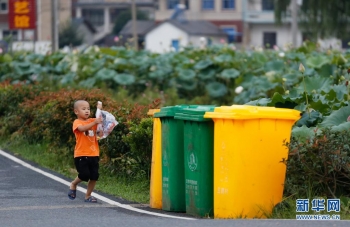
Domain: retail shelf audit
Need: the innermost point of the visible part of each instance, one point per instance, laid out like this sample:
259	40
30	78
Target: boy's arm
84	128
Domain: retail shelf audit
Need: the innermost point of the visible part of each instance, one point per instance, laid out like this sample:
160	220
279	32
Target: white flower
281	54
96	48
270	73
202	39
301	68
153	68
74	67
239	89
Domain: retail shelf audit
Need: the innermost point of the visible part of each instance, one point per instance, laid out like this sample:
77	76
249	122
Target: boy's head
82	109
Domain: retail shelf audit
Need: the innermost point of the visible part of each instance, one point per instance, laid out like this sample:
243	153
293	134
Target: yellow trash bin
249	155
156	166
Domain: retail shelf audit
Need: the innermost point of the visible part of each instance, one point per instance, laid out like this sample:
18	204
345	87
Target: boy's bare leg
74	184
90	188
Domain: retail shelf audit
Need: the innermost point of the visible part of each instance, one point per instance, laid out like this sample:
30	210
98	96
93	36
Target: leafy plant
139	139
320	164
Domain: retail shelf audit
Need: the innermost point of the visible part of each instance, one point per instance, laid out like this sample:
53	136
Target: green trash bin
173	177
198	160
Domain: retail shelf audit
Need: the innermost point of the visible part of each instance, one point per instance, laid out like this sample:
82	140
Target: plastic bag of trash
108	121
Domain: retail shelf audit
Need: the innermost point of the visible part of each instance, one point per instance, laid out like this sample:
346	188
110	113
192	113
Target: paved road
29	198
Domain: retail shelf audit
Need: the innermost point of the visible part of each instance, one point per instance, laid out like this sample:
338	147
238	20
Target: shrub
139	139
49	117
11	95
320	165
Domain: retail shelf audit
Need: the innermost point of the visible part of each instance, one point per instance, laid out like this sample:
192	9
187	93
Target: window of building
7	33
230	34
228	4
208	4
3	6
269	39
95	16
172	3
268	5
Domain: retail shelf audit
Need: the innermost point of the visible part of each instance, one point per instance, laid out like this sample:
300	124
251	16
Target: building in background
178	32
102	13
260	28
43	30
226	14
173	35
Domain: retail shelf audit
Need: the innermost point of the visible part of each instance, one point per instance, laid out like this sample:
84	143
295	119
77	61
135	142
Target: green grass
43	155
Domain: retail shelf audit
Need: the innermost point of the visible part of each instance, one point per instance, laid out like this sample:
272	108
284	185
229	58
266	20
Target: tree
124	17
319	18
69	35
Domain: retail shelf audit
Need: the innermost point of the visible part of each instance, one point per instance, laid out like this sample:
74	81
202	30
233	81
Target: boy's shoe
91	199
72	194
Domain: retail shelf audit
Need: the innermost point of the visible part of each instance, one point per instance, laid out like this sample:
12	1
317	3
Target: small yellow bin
249	155
156	166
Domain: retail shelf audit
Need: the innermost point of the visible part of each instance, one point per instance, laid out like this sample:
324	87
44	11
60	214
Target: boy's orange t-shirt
86	142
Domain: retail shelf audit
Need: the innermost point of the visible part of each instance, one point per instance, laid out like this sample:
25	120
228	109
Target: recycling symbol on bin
192	164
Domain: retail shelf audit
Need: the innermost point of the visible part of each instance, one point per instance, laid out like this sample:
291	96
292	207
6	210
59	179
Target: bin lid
194	112
253	112
169	111
152	111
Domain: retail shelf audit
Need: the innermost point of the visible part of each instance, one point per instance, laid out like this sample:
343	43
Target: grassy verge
136	191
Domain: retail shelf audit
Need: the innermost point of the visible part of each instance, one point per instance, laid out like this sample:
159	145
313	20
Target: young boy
86	152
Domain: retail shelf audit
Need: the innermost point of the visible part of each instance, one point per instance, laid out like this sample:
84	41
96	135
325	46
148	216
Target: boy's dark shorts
87	168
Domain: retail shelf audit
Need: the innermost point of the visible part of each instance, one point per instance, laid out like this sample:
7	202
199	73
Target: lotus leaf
317	62
230	73
340	91
88	83
216	89
303	133
207	74
337	117
298	57
223	58
309	119
120	61
124	79
259	102
291	79
22	68
277	66
105	74
203	64
68	78
342	127
315	84
188	85
186	74
326	70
